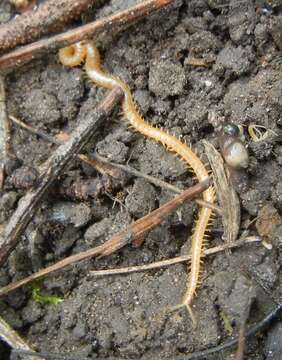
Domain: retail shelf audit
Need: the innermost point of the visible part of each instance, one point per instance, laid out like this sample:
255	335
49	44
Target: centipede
87	52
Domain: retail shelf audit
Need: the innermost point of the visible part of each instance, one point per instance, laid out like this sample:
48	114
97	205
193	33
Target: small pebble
97	231
66	213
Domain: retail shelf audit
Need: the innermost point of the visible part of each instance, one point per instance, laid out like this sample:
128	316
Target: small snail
232	148
235	155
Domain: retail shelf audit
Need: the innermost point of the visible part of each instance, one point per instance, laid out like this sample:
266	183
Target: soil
129	316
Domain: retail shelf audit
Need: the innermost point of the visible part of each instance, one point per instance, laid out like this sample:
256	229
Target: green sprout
44	299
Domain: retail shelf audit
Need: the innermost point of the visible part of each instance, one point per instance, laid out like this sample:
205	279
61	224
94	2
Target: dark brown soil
128	316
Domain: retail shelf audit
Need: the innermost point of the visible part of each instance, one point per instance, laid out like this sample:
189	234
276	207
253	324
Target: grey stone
66	213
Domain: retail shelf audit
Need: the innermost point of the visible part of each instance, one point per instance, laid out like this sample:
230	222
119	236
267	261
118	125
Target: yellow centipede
74	55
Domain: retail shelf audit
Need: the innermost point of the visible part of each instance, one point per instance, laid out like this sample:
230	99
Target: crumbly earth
130	316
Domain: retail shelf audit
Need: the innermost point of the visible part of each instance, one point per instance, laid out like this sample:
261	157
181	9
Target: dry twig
226	194
133	232
12	338
52	169
112	23
198	61
48	17
242	330
176	260
4	132
136	173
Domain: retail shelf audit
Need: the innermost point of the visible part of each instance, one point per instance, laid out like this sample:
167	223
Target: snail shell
235	154
232	148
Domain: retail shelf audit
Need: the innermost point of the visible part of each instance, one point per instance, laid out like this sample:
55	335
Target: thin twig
96	157
4	132
126	168
241	342
242	330
137	173
53	168
110	24
48	17
211	206
36	131
12	338
133	232
176	260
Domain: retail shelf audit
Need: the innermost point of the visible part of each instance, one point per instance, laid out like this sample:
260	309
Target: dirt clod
252	200
114	150
141	199
31	312
24	177
267	222
166	78
233	59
